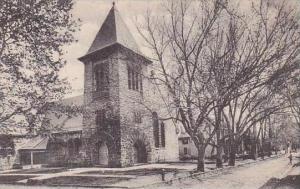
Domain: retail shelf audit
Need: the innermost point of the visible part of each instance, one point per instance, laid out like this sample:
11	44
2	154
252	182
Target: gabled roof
36	143
113	31
183	135
65	123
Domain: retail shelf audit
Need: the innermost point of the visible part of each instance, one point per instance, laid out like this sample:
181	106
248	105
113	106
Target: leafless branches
218	63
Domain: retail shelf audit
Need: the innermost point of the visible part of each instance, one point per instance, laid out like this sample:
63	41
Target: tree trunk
219	159
219	162
270	139
212	151
201	154
269	149
254	150
263	142
226	152
232	154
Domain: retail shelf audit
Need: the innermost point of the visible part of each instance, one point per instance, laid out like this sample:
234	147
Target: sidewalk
171	181
289	179
127	176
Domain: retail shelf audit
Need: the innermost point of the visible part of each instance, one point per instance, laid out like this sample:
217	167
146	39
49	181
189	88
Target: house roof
36	143
183	135
76	100
113	31
65	123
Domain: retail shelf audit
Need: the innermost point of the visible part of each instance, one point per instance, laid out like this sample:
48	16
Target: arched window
162	134
155	129
101	77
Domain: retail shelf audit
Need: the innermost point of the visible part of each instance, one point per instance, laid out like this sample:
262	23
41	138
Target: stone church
117	128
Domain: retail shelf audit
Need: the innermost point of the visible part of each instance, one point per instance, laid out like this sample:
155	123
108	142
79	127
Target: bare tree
216	59
285	131
179	43
268	48
290	89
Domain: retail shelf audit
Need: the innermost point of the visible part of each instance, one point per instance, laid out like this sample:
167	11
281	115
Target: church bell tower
113	74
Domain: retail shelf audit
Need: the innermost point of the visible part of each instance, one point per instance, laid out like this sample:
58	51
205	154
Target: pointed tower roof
113	31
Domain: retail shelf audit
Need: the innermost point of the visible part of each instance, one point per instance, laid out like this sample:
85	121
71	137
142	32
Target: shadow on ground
288	182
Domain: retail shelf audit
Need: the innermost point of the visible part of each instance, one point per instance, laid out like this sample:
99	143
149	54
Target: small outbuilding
34	152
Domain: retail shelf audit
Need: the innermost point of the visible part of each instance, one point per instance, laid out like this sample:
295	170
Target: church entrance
139	152
101	154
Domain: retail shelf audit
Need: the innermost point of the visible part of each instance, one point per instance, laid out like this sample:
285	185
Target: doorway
139	152
100	154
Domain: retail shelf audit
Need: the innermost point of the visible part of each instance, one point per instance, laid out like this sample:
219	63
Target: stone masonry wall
110	104
123	103
131	101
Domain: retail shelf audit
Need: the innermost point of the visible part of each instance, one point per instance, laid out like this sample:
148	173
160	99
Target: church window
137	81
185	151
185	141
155	129
162	134
76	145
101	77
141	84
129	77
134	78
73	146
137	117
100	119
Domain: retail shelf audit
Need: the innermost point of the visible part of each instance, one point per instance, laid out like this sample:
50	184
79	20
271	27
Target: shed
34	151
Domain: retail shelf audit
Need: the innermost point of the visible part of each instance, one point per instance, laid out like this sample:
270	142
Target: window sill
137	91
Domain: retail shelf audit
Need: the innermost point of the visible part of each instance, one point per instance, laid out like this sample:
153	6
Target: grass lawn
137	172
11	179
79	181
39	171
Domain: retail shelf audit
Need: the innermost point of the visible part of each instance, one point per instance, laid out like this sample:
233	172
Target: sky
92	13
